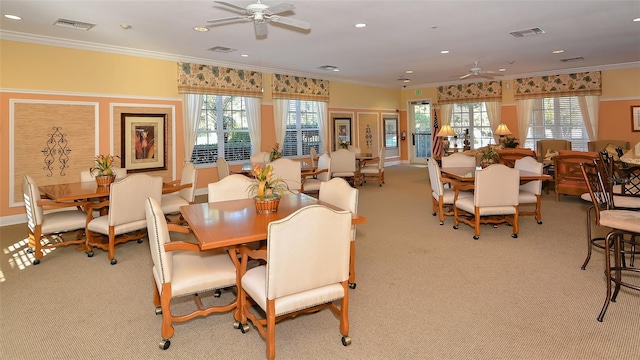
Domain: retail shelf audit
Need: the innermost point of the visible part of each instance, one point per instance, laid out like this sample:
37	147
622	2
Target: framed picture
144	142
391	133
342	132
635	118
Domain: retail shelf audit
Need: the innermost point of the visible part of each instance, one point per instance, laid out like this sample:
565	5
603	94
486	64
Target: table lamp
445	132
502	130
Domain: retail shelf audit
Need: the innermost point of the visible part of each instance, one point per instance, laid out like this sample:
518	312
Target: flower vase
486	162
266	205
105	180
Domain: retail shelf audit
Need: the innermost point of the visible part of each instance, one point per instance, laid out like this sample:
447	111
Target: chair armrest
51	204
94	206
181	245
172	183
178	228
169	188
313	174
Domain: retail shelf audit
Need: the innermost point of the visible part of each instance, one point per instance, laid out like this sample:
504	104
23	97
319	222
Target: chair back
313	154
354	149
35	213
530	164
223	168
127	197
609	145
343	161
324	162
543	146
435	178
311	246
189	176
158	234
496	185
233	187
339	193
260	158
600	197
458	160
288	170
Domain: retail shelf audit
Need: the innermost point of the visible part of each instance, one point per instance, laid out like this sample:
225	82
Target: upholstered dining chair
180	269
458	160
547	149
290	171
311	181
609	145
510	156
260	158
223	168
184	194
495	200
531	191
126	219
313	155
339	193
343	165
622	239
373	170
86	175
442	197
307	269
45	227
232	187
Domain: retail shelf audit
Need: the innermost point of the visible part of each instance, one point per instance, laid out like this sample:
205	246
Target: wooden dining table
247	168
468	174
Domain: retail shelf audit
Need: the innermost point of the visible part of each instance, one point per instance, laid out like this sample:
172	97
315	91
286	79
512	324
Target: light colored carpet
423	291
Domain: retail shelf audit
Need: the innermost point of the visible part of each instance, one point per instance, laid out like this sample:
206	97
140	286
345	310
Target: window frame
564	125
296	113
471	115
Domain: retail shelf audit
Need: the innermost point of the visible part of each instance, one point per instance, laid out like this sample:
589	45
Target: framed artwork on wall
341	133
144	142
391	133
635	118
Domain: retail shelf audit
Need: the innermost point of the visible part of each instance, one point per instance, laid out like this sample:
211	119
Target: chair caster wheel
90	254
140	241
515	236
476	237
346	341
158	310
114	261
352	285
164	344
539	222
434	214
244	328
236	324
495	226
217	293
36	261
455	227
31	251
441	222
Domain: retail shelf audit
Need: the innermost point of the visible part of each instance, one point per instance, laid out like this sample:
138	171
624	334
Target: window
222	118
472	116
303	130
557	118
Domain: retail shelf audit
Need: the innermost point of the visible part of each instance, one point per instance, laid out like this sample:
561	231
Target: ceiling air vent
221	49
527	32
579	58
72	24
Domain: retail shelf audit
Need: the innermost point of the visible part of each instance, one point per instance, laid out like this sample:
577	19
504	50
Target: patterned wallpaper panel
482	91
207	79
300	88
584	83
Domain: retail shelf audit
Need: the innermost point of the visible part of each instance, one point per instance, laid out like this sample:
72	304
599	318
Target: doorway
420	119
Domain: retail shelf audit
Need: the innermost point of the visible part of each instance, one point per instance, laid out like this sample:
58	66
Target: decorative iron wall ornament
56	150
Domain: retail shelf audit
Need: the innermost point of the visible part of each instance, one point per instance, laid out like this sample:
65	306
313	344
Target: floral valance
482	91
584	83
300	88
207	79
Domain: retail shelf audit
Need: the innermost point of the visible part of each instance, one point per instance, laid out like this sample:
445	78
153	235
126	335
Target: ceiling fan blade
465	76
235	7
226	19
485	76
279	8
291	22
261	28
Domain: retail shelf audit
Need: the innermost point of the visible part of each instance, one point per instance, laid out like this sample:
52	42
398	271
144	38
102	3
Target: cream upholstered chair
442	197
233	187
495	199
458	160
343	164
288	170
354	149
184	193
530	192
313	155
317	238
46	226
126	219
311	181
223	168
260	158
86	175
339	193
374	170
547	149
180	268
609	145
509	156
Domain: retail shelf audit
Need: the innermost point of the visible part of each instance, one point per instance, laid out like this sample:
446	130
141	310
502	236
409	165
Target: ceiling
399	36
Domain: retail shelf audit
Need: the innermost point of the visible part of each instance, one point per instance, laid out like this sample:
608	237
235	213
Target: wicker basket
105	180
266	206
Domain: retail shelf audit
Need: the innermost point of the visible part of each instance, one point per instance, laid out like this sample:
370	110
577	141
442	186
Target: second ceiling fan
477	71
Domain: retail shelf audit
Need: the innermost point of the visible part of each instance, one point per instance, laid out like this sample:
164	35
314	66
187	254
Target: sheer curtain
322	124
191	110
254	119
524	108
446	111
494	114
280	109
589	110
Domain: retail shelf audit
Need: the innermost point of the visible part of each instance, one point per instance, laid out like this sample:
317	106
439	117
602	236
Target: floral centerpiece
275	153
103	170
344	144
267	189
488	155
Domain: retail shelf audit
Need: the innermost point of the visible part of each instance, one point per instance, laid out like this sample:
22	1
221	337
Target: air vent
527	32
579	58
72	24
221	49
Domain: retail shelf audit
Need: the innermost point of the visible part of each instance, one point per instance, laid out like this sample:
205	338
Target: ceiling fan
260	14
479	72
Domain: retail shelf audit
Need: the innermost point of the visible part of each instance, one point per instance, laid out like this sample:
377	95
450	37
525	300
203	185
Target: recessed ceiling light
444	51
502	70
409	71
406	80
13	17
125	26
361	25
336	69
558	51
636	19
433	27
244	55
201	29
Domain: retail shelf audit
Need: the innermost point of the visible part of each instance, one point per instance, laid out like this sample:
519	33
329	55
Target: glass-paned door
420	141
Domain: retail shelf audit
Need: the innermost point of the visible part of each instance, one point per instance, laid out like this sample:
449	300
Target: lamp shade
502	129
446	130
